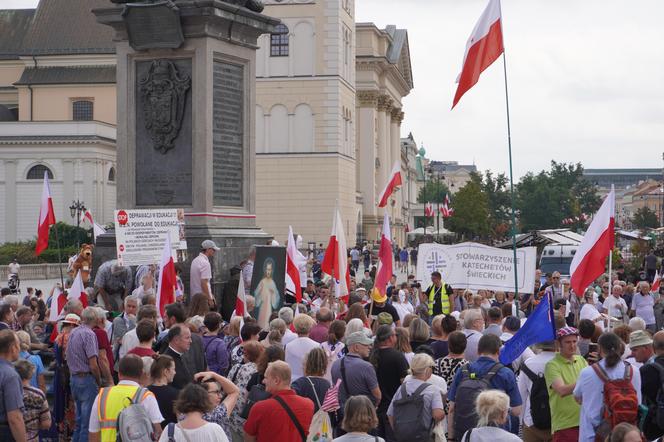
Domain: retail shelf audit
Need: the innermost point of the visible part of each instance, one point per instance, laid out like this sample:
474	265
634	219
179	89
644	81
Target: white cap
209	244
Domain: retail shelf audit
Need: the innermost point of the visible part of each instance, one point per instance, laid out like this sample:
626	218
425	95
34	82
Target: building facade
57	114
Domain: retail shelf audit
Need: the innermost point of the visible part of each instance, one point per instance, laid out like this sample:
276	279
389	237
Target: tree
498	198
434	191
471	212
645	218
545	199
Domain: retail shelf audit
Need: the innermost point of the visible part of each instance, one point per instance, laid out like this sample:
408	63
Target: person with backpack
532	387
652	389
492	408
216	352
126	408
561	374
609	391
417	405
469	381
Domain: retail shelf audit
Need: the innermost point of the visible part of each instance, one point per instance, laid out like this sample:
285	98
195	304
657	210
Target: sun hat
72	318
639	338
567	331
376	296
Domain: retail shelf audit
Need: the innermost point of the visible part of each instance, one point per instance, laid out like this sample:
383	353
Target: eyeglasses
217	392
556	277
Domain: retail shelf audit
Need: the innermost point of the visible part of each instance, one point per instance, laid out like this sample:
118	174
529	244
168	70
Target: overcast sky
585	78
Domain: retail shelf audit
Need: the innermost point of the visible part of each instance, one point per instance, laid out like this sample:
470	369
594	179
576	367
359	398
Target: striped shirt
81	347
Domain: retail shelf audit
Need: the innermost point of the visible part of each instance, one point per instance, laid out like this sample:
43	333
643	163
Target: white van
557	258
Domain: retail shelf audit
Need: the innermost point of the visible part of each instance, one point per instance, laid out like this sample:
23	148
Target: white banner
475	266
140	234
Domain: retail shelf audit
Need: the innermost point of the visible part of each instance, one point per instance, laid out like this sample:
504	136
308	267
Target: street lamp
77	209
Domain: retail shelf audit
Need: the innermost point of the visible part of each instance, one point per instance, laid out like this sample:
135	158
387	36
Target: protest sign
140	234
475	266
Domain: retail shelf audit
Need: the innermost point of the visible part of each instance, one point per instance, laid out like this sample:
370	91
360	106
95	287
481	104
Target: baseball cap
385	318
72	318
209	244
639	338
567	331
358	337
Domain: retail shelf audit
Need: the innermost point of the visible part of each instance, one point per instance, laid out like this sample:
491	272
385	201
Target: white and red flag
483	48
46	217
428	210
240	301
58	301
385	266
335	261
655	283
393	181
167	278
446	210
292	267
77	290
590	258
96	228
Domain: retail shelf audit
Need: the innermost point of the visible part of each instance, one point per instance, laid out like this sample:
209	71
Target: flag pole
57	241
509	147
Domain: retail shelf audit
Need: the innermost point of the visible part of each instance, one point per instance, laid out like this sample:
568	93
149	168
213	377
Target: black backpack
469	388
656	409
408	423
540	410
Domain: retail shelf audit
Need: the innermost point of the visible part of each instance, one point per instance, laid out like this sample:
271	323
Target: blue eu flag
539	327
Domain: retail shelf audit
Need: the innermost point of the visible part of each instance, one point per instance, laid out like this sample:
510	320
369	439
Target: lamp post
76	209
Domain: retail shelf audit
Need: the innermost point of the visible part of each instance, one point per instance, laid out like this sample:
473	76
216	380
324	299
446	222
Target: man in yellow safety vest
440	296
112	400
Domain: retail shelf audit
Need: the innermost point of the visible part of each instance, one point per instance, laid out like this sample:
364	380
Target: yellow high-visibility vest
444	299
112	400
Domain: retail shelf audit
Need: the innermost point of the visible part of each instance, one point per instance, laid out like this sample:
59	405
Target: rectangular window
82	110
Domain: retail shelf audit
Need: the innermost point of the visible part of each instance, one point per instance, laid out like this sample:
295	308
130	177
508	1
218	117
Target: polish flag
58	301
335	261
46	217
589	260
385	257
428	210
393	182
240	301
483	48
87	215
77	290
167	278
292	267
655	283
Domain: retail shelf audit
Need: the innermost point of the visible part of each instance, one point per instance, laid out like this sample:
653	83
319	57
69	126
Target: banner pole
57	241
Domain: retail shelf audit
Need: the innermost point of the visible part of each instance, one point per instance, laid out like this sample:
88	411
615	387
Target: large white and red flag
393	181
335	260
590	258
77	290
385	266
46	217
167	278
240	301
293	267
58	301
96	228
655	283
483	48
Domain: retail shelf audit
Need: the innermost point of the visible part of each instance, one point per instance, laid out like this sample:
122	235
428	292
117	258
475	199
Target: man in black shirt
179	341
378	306
391	369
651	384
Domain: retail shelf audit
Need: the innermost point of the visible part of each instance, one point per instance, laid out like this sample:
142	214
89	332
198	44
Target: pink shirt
200	269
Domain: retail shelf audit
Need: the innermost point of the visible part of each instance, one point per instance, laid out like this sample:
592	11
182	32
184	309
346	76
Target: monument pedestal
186	100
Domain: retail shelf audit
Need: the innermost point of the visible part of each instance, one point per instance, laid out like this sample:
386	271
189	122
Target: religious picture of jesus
267	285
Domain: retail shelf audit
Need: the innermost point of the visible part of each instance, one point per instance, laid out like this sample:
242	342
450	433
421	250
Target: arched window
37	172
279	41
111	174
82	110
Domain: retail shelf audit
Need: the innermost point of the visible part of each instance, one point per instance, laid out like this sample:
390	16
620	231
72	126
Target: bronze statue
252	5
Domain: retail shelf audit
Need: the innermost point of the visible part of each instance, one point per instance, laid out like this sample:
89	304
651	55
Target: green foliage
645	218
434	191
496	190
24	251
471	212
545	199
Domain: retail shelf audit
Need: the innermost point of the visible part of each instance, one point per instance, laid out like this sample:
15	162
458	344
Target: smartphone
593	348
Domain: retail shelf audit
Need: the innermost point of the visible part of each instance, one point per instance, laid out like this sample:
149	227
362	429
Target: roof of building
48	30
622	171
451	166
68	75
399	52
14	26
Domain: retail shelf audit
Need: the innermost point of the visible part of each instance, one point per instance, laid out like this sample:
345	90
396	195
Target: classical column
395	150
384	109
10	201
366	146
68	194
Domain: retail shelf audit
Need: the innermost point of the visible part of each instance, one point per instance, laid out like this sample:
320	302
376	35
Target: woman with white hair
421	369
643	304
589	310
492	407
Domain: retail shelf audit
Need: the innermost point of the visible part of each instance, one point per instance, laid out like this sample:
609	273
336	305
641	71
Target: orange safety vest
112	400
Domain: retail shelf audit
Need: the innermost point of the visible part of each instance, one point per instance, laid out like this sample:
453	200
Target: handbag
256	394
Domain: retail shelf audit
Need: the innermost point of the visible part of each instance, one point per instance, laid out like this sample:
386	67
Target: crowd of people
419	363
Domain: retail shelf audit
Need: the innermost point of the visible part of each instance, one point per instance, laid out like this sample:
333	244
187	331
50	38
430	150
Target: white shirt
289	336
472	340
643	306
616	307
296	352
129	341
206	433
589	311
150	404
200	269
403	309
590	389
434	380
14	268
536	364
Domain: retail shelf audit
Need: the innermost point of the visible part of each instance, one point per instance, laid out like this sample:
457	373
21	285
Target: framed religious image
267	282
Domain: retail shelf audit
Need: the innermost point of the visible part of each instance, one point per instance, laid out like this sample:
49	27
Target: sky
585	81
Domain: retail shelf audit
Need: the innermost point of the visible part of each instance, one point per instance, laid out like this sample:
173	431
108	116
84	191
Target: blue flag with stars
540	327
